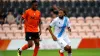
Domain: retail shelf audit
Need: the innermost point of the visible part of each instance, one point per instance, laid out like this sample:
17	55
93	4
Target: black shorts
31	35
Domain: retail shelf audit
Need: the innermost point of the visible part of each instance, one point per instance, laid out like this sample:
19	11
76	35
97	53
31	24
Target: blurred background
84	16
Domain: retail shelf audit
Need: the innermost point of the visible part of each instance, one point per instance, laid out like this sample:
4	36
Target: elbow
69	29
48	28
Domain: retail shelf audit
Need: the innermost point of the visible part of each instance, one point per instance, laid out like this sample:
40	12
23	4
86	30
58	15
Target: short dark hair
34	1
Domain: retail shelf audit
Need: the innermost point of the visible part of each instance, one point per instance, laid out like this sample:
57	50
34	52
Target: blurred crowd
11	10
10	18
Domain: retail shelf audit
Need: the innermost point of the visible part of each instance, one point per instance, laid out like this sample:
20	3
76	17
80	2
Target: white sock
69	54
62	51
20	49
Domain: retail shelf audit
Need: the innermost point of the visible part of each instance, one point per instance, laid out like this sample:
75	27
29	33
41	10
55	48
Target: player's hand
54	38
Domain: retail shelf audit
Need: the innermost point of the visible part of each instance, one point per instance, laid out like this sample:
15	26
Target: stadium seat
97	32
44	26
94	26
99	26
85	26
14	27
43	36
23	35
80	20
48	34
6	27
10	34
82	33
74	33
70	36
43	20
90	32
48	20
2	34
17	35
78	26
96	19
72	27
89	20
73	20
0	27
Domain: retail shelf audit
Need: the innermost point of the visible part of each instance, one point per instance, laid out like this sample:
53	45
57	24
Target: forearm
40	26
49	28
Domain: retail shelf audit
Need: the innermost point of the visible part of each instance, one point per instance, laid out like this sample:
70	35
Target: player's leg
68	46
60	42
36	41
65	46
61	52
26	46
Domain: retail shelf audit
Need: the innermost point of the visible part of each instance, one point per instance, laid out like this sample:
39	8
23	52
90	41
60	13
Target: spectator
1	17
10	19
18	18
1	20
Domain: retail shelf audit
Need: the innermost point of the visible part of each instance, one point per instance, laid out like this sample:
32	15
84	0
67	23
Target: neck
61	17
33	9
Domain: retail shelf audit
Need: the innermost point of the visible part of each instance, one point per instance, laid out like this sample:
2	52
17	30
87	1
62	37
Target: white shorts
63	41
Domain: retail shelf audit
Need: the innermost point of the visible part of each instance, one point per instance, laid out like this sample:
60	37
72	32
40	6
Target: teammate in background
60	24
32	22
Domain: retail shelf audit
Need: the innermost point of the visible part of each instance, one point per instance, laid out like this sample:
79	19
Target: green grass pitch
76	52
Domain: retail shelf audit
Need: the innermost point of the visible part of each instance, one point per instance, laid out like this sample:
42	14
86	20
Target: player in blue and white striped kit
60	24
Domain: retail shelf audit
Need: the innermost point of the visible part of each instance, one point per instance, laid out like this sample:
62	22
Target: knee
30	45
37	44
67	48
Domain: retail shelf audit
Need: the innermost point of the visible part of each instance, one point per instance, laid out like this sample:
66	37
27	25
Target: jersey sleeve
24	16
53	23
68	23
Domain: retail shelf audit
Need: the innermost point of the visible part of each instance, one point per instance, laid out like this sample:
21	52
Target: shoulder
55	19
38	11
26	11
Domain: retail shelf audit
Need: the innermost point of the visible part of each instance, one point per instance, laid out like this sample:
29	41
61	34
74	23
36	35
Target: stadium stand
75	8
84	17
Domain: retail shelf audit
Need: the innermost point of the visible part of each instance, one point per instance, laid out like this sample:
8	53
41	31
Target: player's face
35	6
61	13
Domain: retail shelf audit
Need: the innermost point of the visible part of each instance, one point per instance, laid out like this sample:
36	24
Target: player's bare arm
40	26
53	36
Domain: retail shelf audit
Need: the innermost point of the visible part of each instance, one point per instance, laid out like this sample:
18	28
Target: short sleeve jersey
57	23
32	19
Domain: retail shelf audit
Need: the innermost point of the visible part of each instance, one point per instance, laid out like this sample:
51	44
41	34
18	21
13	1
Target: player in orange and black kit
32	28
